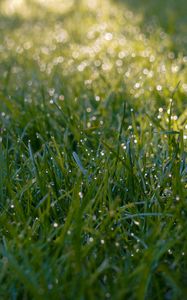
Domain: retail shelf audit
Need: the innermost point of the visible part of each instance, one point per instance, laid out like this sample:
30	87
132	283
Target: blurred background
93	47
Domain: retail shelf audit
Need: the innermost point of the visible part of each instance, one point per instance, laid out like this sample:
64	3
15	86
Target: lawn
93	149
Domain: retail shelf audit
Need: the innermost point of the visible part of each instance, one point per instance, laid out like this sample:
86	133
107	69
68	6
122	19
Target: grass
93	176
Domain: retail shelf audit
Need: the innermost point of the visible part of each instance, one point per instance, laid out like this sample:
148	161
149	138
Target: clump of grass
93	146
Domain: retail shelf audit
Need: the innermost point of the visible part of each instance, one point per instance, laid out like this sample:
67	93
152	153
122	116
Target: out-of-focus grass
93	171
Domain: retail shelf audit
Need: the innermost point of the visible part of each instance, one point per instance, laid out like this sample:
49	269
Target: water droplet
107	295
108	36
177	198
159	87
81	195
50	286
89	109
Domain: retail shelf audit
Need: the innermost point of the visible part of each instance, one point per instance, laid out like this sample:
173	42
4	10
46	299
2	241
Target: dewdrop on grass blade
81	195
91	239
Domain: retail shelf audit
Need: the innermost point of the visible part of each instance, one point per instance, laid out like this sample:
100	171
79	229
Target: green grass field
93	149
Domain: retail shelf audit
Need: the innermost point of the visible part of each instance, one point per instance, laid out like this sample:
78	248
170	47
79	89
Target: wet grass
93	139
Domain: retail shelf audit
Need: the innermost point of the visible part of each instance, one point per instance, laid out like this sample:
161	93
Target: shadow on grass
170	15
